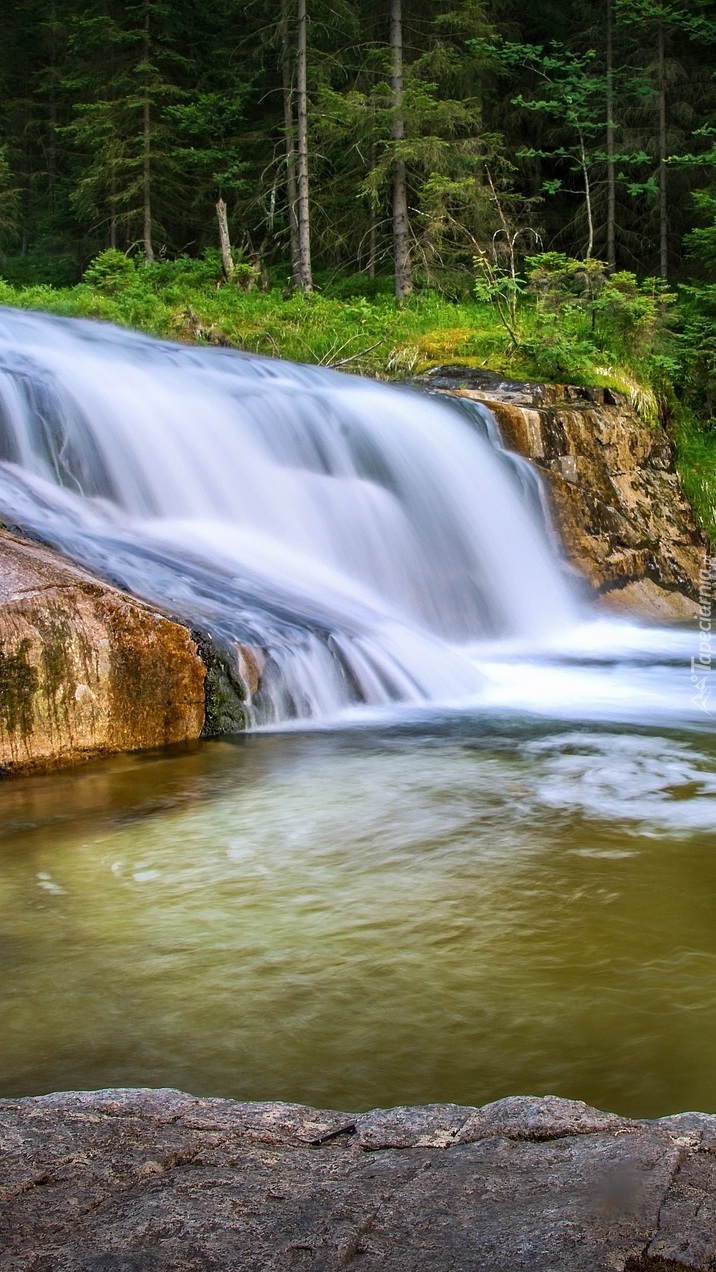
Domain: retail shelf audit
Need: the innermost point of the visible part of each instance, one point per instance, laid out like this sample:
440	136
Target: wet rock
161	1180
228	686
616	500
85	669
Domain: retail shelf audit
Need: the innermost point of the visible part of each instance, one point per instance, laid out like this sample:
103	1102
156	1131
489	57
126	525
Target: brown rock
135	1180
616	500
84	669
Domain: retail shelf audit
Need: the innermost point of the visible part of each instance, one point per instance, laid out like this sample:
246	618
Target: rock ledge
136	1180
615	497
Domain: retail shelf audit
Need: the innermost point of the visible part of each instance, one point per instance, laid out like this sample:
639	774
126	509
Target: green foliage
208	140
498	283
110	271
695	344
701	241
9	195
582	320
696	464
559	282
570	96
23	269
620	309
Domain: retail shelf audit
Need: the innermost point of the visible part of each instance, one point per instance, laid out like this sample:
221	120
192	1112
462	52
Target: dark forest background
587	129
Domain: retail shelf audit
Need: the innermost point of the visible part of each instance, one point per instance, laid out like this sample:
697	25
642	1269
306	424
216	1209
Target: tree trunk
227	259
112	201
147	159
401	226
112	208
147	186
373	232
304	223
587	199
611	166
663	195
290	144
52	113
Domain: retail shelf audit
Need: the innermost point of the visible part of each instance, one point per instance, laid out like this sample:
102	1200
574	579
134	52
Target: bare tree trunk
304	223
373	233
112	193
147	159
112	208
52	113
611	166
290	144
401	226
227	259
147	186
663	194
260	256
587	198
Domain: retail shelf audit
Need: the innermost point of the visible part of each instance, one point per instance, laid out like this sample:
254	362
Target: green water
456	909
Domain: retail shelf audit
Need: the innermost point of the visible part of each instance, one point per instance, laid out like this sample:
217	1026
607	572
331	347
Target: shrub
110	271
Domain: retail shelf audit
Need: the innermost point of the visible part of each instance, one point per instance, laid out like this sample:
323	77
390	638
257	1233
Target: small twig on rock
349	1128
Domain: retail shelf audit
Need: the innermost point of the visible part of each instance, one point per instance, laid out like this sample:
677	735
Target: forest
538	182
588	129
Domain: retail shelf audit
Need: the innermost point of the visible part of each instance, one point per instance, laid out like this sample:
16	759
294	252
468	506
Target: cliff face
84	669
615	496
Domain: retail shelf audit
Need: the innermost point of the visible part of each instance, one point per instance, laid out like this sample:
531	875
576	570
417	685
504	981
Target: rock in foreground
85	669
135	1180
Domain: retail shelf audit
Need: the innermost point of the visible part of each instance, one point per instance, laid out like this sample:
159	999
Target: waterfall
362	537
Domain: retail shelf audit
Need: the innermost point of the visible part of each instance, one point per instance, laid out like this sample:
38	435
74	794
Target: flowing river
468	848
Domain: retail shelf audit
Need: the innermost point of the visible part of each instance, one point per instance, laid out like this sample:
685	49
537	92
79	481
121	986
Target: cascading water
367	539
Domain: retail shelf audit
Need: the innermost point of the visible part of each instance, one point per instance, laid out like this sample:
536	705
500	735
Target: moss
59	681
224	692
19	682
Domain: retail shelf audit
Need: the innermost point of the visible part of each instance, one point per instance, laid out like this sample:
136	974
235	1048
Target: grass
367	336
696	465
180	300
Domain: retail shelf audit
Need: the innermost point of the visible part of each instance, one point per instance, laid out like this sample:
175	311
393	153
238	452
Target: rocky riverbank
615	496
154	1180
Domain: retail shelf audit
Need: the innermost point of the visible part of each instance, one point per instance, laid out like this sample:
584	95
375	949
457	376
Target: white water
373	541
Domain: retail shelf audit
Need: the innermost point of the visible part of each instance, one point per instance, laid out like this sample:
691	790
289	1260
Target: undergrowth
696	464
354	324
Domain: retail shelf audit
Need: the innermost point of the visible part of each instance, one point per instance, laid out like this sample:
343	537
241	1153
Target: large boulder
84	669
158	1181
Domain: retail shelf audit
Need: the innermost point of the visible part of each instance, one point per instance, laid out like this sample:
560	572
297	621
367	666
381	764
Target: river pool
448	907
